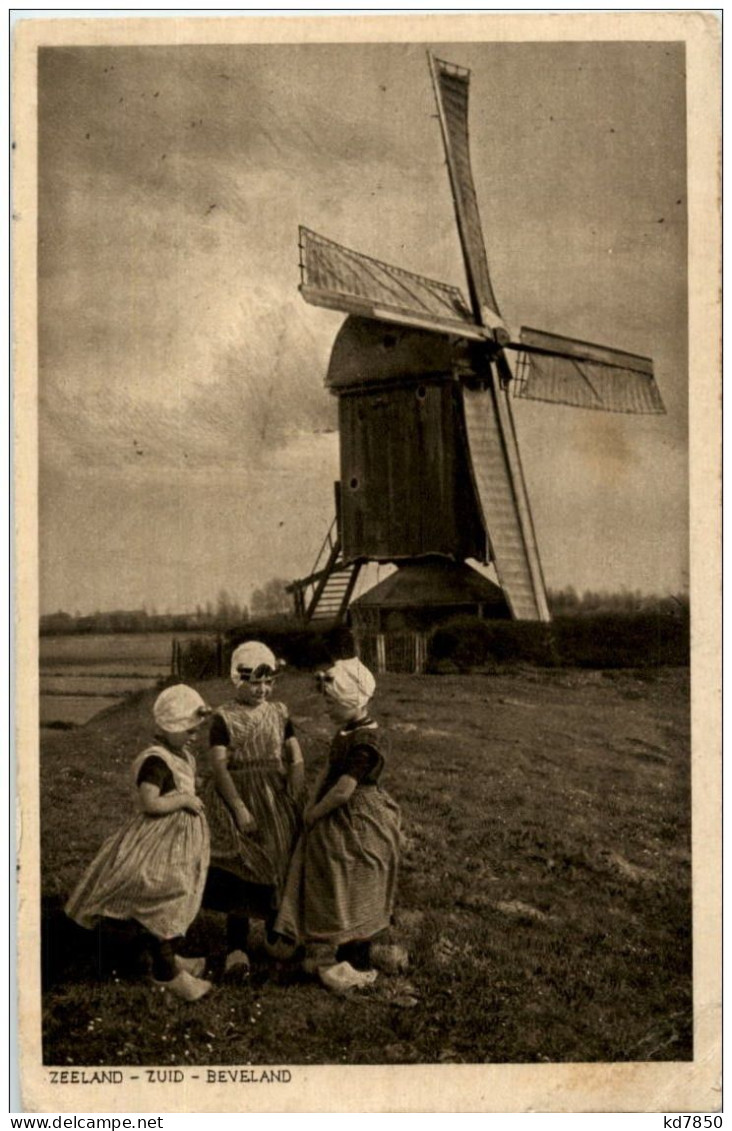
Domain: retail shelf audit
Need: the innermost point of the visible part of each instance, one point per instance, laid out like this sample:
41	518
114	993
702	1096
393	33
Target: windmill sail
505	513
451	92
494	456
337	277
565	371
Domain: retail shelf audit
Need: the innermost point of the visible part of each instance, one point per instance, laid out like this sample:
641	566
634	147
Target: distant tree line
568	602
273	600
227	613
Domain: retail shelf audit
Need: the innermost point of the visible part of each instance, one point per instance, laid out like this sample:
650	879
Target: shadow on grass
119	950
70	953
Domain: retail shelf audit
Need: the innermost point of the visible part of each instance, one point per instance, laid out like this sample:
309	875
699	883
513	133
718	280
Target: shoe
194	966
318	955
185	986
342	978
237	960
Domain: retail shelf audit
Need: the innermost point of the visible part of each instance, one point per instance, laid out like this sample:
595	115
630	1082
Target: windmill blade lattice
506	515
565	371
451	84
583	375
337	277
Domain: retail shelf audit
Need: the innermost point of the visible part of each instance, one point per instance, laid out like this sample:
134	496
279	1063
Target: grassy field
545	891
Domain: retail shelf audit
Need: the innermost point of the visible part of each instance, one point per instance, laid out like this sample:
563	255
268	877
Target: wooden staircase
323	595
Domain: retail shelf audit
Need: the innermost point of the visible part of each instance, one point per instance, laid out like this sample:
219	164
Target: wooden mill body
406	487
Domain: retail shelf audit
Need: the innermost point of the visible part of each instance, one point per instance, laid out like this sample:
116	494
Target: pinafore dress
342	881
255	765
154	868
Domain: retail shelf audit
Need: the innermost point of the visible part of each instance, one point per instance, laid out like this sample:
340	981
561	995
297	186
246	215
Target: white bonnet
247	658
179	708
350	682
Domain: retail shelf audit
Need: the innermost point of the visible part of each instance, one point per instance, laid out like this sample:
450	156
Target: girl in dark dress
342	882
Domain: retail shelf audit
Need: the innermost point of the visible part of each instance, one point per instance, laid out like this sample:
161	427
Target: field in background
122	652
545	892
84	673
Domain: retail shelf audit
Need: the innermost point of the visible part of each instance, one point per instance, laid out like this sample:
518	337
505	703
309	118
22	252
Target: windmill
430	461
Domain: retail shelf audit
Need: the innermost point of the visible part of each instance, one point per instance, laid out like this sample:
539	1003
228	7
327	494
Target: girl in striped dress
253	800
342	882
153	870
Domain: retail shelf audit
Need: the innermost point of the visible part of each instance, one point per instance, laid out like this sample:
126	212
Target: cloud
260	390
125	537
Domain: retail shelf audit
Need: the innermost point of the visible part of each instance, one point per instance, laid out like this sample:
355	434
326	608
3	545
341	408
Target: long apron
255	765
342	881
154	868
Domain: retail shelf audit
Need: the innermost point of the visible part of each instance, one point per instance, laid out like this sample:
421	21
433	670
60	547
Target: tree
271	599
223	606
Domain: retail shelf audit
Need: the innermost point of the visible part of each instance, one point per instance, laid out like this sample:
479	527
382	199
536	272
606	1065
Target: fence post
419	653
380	653
219	655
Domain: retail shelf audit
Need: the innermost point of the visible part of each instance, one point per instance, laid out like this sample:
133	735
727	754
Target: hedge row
602	640
614	640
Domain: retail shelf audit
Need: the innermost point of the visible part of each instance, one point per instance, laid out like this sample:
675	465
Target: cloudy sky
186	440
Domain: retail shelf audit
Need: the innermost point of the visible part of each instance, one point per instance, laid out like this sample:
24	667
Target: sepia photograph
360	388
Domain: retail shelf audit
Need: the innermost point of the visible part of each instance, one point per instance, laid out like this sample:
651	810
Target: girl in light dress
153	870
253	800
342	881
